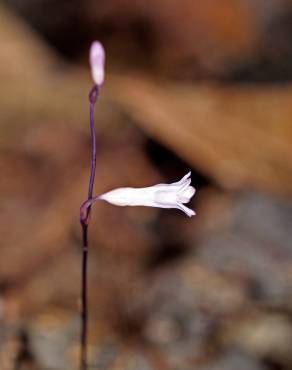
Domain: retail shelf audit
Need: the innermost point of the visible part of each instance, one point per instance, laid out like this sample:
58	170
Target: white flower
97	59
162	195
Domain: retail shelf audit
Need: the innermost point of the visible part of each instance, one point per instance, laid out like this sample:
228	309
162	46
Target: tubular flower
162	196
97	60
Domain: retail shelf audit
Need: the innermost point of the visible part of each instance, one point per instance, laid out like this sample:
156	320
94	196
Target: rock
234	359
266	336
254	243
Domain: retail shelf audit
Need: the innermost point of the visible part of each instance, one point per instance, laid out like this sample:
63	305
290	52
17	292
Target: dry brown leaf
239	137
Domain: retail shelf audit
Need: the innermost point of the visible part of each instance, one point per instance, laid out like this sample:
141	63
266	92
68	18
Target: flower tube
173	195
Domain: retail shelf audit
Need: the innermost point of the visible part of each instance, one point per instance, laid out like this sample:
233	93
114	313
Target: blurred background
193	85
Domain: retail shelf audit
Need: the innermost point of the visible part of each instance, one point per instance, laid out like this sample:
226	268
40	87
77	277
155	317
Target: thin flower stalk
97	58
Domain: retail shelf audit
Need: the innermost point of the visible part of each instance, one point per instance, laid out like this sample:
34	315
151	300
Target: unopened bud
97	59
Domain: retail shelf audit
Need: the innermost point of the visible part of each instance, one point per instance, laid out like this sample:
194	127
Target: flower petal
182	180
161	195
189	212
186	194
165	197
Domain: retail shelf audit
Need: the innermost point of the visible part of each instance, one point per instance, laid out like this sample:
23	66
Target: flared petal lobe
186	194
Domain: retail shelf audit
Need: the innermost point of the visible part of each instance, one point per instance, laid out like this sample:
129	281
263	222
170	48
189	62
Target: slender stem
92	99
84	220
84	310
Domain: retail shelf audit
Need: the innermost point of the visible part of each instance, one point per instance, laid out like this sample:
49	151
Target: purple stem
93	95
84	220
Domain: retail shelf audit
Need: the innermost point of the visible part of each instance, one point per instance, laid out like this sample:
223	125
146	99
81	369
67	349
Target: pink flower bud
97	59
